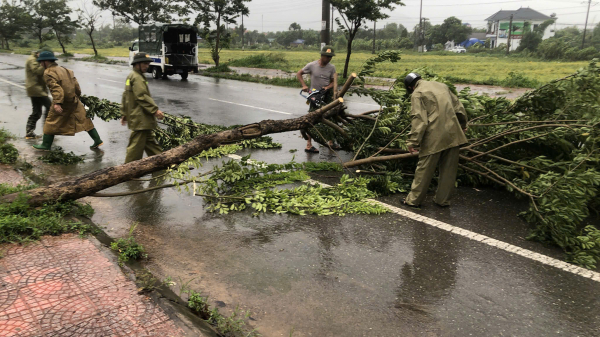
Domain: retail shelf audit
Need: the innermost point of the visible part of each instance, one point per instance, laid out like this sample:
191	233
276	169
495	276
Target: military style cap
328	51
46	55
411	79
140	58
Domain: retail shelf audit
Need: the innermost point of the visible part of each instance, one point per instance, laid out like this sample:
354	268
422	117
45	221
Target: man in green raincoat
67	116
140	111
439	121
37	91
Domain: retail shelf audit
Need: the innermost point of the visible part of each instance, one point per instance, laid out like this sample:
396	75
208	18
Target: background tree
141	12
453	30
88	18
217	13
295	26
59	19
532	38
356	13
39	14
14	20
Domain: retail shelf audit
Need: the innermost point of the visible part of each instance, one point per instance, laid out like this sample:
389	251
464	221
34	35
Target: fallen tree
88	184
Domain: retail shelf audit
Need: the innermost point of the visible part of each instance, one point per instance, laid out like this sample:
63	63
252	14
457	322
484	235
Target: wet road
389	275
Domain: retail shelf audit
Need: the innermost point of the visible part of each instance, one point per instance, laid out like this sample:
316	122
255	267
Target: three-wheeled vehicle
173	49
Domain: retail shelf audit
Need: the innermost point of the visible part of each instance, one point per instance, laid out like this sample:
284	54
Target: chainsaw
315	97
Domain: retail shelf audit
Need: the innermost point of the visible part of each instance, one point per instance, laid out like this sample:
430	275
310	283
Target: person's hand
466	129
412	150
58	108
159	115
123	121
305	88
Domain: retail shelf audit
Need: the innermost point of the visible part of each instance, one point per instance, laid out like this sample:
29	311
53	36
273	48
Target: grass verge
20	222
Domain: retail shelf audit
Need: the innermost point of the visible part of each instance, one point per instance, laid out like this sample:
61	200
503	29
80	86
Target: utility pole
420	27
242	31
509	35
586	22
331	35
326	6
262	16
374	34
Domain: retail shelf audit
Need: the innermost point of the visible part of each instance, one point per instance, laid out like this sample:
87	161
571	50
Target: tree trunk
351	36
60	42
91	183
216	52
7	45
93	44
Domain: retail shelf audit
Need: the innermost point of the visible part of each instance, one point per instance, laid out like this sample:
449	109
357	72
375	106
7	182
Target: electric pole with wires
325	23
586	22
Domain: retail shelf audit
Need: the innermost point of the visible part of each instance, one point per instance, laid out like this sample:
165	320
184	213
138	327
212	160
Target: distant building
499	25
297	43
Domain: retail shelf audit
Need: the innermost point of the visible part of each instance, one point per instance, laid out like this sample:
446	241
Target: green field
471	67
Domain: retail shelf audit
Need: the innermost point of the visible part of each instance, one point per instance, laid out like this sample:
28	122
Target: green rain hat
328	51
46	56
140	58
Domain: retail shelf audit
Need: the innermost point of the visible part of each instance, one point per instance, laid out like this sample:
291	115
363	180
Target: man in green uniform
439	121
67	116
140	111
37	91
322	77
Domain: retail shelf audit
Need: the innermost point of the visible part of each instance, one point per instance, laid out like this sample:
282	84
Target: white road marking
13	83
570	268
105	79
248	106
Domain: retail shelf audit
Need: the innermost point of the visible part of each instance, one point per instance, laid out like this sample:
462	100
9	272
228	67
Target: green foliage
8	154
263	61
139	11
20	222
128	248
60	157
231	326
237	186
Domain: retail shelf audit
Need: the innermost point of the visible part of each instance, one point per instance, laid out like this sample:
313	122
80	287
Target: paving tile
137	316
114	296
26	256
16	320
53	314
29	275
94	326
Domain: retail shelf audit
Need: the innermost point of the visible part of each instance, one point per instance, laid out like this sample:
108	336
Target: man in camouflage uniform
439	121
139	111
67	116
37	91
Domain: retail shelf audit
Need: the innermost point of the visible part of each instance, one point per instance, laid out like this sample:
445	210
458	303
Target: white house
499	23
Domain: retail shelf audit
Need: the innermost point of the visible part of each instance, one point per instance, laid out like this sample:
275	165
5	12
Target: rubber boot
96	137
46	143
30	134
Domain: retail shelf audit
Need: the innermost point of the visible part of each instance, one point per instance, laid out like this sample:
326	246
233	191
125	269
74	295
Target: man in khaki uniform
140	111
67	115
37	91
438	124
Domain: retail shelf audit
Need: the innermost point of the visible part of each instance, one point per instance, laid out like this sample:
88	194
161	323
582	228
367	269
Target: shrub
265	61
8	154
128	248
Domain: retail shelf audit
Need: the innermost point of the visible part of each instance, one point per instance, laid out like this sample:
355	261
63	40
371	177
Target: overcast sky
274	15
279	14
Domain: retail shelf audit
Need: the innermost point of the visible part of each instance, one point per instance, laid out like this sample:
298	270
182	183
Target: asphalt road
462	271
